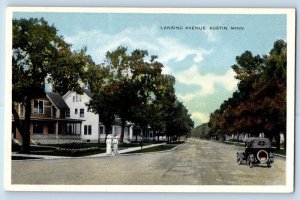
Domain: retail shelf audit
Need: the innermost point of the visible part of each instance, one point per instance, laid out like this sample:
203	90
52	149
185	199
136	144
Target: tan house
50	122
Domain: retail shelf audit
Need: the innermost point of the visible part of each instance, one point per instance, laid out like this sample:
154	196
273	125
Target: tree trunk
24	131
284	142
107	127
26	135
146	133
136	136
278	141
18	122
122	131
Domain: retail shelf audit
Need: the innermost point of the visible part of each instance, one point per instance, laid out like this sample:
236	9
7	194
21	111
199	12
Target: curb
278	155
131	154
42	157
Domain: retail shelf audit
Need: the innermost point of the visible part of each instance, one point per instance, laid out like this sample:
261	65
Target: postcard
150	99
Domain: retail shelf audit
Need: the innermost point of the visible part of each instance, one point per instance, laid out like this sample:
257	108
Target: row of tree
259	104
134	89
130	86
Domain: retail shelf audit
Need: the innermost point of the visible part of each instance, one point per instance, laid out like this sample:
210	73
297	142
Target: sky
197	49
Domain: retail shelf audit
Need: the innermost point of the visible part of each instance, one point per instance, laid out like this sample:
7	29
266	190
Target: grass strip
155	149
274	150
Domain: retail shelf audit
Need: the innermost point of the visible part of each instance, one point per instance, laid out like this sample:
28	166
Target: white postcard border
289	187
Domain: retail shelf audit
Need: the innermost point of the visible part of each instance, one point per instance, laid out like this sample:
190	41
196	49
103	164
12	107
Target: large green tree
40	54
133	80
132	87
104	98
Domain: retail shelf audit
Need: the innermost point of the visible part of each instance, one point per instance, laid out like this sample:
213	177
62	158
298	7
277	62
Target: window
73	128
38	107
81	112
67	113
87	129
76	111
102	131
261	143
78	98
73	98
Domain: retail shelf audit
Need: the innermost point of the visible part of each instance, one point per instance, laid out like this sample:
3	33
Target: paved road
194	163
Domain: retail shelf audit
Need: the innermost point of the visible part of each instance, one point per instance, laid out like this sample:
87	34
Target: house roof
57	100
84	90
87	92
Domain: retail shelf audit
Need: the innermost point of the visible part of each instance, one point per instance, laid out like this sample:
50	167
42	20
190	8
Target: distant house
128	131
50	121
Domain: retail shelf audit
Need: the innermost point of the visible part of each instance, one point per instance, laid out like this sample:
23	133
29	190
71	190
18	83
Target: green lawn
75	149
163	147
280	152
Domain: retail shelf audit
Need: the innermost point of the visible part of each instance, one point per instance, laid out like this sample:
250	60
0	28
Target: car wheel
269	164
249	162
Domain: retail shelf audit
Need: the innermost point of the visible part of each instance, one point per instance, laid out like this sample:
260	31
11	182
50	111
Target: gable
57	101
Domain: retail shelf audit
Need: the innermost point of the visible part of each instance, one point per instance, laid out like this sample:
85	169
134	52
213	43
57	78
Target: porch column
31	128
45	129
130	130
56	129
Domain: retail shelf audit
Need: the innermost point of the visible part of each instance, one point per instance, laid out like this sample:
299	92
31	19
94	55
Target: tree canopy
40	55
259	104
132	87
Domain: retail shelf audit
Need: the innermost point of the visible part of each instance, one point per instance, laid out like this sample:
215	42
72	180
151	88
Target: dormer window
38	107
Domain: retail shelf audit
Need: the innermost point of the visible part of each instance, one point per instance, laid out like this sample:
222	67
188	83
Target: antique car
257	151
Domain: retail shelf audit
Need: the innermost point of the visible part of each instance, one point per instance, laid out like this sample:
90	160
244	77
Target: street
197	162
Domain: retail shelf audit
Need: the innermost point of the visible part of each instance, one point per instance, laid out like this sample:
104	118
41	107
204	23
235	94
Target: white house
90	128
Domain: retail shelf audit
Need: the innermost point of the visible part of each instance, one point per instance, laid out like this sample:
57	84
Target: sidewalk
123	151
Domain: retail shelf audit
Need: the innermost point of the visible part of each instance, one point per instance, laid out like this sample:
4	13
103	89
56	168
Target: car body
257	151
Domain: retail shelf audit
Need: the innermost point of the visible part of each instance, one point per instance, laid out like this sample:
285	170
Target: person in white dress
108	145
115	145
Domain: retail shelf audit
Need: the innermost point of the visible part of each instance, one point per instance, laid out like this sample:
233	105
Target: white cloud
186	97
172	49
206	82
167	48
200	117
